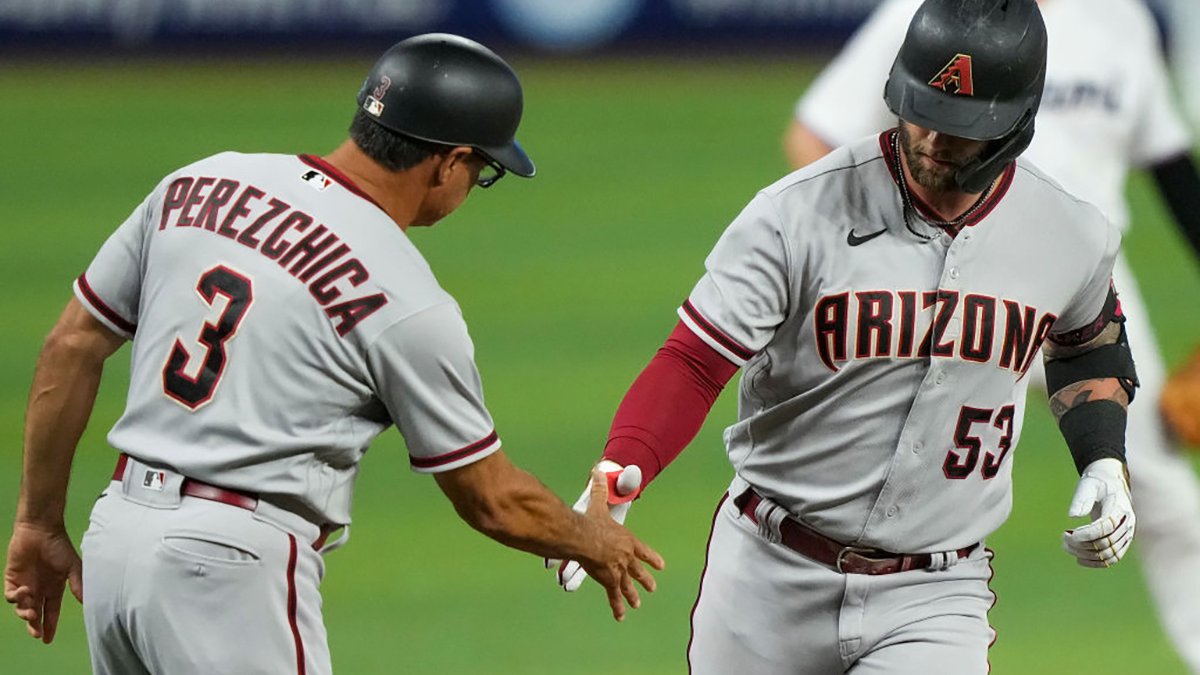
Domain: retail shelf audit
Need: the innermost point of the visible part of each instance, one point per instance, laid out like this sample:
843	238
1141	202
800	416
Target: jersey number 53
960	463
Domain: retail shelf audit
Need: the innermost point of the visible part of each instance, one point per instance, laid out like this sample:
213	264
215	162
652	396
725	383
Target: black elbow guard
1114	360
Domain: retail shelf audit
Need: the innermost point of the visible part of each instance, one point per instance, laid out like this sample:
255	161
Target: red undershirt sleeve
667	404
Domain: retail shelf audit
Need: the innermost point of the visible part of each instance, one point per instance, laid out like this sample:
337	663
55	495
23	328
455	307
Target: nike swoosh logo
855	240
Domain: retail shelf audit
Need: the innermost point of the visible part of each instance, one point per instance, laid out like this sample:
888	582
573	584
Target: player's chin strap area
778	526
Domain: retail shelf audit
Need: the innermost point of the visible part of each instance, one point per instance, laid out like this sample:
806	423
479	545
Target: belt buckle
846	550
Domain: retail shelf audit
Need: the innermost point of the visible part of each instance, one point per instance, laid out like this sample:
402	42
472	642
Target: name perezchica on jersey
888	323
319	258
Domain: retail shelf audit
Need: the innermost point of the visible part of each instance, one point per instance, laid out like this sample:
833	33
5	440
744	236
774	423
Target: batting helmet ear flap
975	176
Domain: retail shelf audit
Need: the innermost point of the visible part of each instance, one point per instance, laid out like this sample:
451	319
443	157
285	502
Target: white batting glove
1102	493
624	484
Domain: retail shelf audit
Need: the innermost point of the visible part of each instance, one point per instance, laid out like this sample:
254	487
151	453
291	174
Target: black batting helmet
973	69
448	89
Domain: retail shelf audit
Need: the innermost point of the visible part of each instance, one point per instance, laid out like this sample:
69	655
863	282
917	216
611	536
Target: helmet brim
513	158
978	119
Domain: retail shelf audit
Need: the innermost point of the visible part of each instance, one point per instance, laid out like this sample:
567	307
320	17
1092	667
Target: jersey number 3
194	391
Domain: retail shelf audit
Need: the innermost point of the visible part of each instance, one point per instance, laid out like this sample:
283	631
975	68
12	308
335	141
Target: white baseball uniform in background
1184	23
280	321
881	403
1107	107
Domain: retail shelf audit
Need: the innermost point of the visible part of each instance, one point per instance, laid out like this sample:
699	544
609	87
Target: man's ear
455	159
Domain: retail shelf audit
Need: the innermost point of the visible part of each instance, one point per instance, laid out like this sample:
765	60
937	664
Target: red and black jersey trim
713	332
926	211
889	159
342	179
100	306
1110	313
442	460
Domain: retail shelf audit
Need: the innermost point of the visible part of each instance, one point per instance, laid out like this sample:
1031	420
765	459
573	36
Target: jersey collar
1006	178
342	179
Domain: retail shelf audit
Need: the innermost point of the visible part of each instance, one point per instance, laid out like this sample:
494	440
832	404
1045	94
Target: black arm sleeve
1179	183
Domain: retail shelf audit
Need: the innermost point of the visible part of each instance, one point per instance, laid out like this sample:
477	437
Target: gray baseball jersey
281	321
883	389
1107	106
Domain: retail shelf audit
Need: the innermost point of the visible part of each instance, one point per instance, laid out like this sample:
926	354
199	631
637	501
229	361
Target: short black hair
394	151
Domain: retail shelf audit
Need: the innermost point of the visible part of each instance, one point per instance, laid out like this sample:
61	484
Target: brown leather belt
846	559
199	490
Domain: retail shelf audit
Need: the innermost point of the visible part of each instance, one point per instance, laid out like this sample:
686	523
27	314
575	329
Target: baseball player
281	319
1107	107
885	306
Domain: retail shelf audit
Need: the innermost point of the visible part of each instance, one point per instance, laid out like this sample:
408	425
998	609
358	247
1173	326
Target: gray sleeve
744	295
111	288
1089	301
424	371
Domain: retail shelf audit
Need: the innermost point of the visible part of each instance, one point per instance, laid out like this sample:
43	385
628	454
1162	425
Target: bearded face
934	158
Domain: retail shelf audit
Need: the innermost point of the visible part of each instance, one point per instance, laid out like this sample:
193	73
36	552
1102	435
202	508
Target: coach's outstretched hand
514	508
41	561
621	554
624	485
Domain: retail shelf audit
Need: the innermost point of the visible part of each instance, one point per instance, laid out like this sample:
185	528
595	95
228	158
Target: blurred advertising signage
567	25
583	24
139	21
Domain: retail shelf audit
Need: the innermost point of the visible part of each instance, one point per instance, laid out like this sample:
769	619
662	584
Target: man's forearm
1091	378
529	517
667	404
514	508
60	402
1092	417
1088	391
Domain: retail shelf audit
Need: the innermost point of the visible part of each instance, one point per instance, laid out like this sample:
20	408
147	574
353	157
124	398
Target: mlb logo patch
319	181
154	480
373	106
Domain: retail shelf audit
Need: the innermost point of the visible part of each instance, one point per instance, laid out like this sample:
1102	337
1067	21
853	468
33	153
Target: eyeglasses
490	173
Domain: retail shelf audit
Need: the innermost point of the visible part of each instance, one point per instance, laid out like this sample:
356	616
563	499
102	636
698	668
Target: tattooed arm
1092	379
1103	389
1087	390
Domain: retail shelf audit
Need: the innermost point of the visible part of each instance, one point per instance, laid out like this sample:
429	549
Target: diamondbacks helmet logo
955	77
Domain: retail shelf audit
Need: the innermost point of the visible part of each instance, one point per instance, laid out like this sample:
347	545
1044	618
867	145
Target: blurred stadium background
652	123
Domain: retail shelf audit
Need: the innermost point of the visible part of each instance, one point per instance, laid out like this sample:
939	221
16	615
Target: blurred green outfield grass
569	282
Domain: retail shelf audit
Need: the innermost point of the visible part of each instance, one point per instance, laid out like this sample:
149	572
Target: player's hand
1102	494
620	557
623	486
41	561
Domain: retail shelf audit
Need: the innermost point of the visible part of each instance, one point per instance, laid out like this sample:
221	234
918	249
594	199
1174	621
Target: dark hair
393	151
